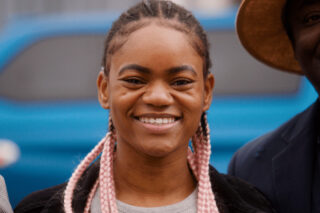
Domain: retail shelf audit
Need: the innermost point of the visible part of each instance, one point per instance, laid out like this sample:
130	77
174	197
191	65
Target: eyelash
177	83
181	82
312	18
133	80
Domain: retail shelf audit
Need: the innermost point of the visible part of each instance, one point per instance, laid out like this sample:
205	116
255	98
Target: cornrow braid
166	13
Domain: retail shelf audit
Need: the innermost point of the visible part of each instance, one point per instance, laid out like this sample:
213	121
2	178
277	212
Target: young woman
155	80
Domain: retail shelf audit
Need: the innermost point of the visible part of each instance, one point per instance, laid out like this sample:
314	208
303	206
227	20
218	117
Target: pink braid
202	150
68	194
82	167
192	160
107	192
104	198
198	161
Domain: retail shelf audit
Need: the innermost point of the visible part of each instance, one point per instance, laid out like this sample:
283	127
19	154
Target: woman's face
155	91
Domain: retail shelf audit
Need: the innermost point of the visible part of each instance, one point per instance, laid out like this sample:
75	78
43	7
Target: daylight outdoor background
50	52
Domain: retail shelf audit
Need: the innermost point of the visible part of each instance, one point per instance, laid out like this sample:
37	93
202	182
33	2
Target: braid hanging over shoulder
198	161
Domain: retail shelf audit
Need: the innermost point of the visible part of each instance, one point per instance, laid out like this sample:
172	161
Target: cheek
307	51
307	45
121	103
192	100
192	103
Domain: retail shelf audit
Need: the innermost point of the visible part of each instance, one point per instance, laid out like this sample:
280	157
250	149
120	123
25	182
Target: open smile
158	123
157	119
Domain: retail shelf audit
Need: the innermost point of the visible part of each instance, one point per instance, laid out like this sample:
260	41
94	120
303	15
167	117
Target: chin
160	151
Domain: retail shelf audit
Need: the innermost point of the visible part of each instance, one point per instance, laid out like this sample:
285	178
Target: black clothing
281	163
232	195
316	170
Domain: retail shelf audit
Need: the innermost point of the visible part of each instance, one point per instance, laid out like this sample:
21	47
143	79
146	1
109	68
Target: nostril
157	97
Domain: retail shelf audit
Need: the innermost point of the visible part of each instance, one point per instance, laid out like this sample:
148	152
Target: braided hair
171	15
163	12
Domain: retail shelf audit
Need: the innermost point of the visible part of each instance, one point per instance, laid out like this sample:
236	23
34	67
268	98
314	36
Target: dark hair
166	13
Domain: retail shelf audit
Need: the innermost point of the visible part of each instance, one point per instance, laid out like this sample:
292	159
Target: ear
103	92
208	89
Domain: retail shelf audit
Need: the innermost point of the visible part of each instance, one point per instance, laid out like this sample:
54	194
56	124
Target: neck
152	181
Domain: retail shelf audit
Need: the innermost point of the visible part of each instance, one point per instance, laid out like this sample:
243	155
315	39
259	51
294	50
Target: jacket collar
292	168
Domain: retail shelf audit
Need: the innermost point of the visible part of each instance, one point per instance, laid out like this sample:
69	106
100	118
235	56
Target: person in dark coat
285	163
155	80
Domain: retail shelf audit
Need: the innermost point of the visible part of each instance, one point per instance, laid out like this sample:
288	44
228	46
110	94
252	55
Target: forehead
297	4
157	48
157	35
154	39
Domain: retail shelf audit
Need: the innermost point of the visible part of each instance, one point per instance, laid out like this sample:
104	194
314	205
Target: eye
133	80
181	82
312	18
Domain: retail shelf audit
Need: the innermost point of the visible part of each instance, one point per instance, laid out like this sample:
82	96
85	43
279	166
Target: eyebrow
134	67
178	69
146	70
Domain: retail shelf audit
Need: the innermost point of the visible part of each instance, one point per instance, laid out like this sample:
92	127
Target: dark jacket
232	195
280	164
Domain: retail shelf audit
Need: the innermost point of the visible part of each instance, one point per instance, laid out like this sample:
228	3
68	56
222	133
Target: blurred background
50	118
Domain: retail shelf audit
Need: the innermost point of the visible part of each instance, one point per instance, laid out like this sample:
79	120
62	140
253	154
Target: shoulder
50	200
37	201
236	195
260	151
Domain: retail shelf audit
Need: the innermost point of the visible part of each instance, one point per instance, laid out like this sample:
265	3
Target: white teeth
157	121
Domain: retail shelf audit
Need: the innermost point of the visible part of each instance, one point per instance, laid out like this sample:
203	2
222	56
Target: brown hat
261	32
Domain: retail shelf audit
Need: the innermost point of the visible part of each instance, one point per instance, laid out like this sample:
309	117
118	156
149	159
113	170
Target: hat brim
261	32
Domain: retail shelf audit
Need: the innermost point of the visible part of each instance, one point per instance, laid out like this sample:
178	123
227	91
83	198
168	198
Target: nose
158	94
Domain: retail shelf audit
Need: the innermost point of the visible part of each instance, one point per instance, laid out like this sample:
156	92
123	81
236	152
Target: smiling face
155	91
304	22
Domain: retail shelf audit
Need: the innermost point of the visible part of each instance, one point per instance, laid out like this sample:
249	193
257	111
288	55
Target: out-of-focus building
10	9
208	7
